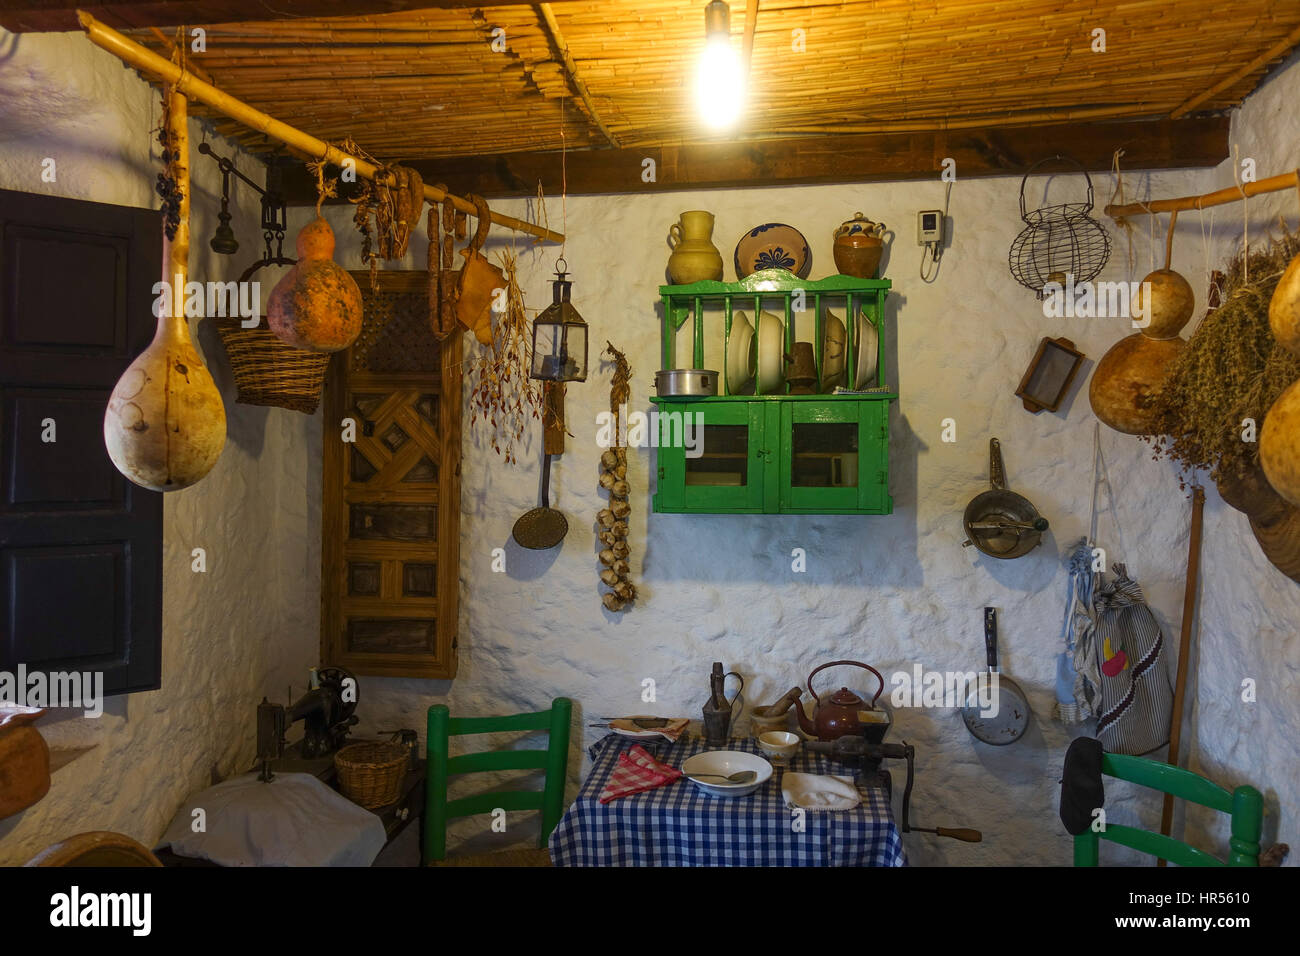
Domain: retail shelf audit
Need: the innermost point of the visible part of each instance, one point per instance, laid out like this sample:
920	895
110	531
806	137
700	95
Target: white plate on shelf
740	355
727	762
868	352
771	355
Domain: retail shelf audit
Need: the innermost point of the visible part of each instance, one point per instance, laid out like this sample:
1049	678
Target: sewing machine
328	712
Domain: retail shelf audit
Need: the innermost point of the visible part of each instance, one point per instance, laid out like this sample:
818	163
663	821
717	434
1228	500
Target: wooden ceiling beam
1276	51
553	31
45	16
880	157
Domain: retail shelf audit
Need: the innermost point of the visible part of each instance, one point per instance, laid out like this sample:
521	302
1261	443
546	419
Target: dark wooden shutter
80	546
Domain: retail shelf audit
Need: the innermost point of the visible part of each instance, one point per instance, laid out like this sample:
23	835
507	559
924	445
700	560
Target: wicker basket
269	372
370	774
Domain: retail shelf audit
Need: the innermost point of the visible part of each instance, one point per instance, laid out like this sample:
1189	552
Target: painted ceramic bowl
773	245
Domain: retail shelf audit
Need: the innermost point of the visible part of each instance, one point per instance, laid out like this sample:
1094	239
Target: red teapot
844	712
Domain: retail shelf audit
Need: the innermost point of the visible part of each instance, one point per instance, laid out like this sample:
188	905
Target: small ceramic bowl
778	744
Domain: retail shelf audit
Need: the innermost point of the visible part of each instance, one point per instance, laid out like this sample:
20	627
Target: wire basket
1059	242
266	370
370	774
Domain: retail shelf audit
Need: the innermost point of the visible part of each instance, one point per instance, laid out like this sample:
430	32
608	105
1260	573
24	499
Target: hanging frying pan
1003	716
542	527
999	522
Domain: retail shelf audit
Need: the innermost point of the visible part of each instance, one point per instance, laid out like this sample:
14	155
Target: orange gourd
317	305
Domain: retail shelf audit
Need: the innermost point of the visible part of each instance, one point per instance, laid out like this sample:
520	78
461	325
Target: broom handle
1184	644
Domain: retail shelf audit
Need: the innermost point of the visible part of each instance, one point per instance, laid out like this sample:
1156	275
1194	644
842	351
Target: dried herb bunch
168	186
1232	369
501	393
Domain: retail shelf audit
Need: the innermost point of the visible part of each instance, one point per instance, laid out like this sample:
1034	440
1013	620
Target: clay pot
316	306
1284	309
1279	444
1172	302
165	425
1129	378
1252	495
694	257
859	246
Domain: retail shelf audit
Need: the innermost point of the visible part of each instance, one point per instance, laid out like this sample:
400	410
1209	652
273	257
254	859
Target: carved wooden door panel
390	514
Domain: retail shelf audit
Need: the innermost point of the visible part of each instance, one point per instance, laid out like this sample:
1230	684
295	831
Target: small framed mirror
1049	376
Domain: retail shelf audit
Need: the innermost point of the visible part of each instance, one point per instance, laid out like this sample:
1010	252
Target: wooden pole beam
187	83
1217	198
747	41
1236	76
174	50
571	70
880	157
43	16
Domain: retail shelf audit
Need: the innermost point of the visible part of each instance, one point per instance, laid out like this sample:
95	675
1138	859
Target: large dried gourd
1279	444
1171	302
1128	380
317	305
1284	309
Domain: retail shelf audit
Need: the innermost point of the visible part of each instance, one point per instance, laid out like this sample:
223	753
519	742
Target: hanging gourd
165	424
1128	380
316	306
1164	297
1284	309
1279	444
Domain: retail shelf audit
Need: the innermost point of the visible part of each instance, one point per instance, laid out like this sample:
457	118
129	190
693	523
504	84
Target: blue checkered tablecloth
680	825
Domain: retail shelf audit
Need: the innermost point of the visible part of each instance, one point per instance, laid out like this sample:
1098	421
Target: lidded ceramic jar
859	246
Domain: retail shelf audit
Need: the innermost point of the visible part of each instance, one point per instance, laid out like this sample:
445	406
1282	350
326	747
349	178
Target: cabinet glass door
829	461
713	460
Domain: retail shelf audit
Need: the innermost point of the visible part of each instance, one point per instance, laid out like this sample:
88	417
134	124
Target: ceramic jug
694	256
859	245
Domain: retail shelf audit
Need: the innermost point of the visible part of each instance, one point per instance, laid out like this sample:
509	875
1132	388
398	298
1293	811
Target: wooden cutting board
24	760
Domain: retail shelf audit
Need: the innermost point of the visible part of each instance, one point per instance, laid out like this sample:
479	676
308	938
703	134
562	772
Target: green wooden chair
1245	805
554	759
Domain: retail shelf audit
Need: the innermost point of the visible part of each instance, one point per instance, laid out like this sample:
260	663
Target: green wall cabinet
774	454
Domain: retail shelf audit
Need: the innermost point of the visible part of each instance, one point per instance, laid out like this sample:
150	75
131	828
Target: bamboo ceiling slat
426	83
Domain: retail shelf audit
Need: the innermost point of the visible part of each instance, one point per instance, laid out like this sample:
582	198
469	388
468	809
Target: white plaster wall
249	625
892	591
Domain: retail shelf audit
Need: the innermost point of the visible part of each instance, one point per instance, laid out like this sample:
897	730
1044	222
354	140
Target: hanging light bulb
720	80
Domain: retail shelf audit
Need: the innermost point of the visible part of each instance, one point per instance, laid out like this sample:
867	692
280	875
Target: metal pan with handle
1000	522
1006	718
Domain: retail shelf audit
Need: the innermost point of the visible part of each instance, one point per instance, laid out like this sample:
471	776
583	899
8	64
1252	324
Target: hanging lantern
560	336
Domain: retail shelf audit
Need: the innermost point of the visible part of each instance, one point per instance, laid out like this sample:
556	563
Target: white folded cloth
811	791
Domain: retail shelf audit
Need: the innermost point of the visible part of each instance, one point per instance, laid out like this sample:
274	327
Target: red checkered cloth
637	772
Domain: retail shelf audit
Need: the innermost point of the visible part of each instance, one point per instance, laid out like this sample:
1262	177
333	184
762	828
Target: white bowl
725	763
778	744
771	355
868	352
740	355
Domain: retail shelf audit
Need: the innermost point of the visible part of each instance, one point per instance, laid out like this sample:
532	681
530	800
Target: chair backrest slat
460	726
498	760
500	800
1159	845
1167	778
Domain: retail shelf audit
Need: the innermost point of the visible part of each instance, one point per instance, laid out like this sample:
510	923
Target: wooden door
390	514
80	546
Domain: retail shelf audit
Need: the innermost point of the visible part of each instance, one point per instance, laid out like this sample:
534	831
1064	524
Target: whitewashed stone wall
892	591
249	625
